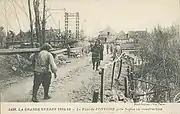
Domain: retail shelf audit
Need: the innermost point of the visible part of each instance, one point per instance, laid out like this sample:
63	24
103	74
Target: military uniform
43	65
96	55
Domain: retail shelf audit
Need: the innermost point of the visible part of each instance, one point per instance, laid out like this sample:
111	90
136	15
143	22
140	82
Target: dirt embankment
13	68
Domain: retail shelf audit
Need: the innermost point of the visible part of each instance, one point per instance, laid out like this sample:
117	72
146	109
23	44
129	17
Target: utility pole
31	23
44	22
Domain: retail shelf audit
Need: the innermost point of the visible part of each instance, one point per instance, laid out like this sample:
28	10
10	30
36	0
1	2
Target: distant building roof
108	30
121	33
137	33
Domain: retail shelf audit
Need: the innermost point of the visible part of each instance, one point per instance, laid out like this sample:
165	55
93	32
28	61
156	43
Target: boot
34	99
46	95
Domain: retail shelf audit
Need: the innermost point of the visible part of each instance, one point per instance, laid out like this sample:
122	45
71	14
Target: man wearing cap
43	65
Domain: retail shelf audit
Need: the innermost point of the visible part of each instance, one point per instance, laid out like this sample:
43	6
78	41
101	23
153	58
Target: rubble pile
11	65
60	59
116	96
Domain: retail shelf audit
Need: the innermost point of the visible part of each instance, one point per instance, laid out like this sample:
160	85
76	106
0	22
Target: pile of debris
61	59
11	65
116	96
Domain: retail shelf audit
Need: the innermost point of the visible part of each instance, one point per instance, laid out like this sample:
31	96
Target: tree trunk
37	21
31	23
44	22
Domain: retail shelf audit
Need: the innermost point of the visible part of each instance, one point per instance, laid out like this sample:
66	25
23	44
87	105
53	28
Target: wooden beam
18	51
30	50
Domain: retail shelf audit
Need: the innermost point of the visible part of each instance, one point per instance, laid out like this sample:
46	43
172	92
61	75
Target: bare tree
37	20
31	23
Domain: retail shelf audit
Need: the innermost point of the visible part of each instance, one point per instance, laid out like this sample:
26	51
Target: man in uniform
96	54
43	65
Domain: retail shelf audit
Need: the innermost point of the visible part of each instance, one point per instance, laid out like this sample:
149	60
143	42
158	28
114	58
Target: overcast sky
119	14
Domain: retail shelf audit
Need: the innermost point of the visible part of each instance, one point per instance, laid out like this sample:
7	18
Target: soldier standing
95	55
43	65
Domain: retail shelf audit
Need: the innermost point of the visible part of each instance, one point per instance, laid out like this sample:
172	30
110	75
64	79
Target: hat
46	46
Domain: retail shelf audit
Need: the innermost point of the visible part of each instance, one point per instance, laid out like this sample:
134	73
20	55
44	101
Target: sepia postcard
90	56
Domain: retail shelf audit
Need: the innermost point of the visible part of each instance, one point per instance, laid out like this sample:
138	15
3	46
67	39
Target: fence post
120	67
128	74
126	94
95	96
166	96
102	84
132	67
178	81
169	95
113	74
127	70
131	81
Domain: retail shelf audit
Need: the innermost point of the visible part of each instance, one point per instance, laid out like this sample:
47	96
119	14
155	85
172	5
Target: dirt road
76	82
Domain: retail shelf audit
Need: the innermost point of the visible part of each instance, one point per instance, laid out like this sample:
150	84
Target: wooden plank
59	51
18	51
29	50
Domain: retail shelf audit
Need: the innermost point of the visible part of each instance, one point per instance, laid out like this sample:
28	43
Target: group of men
109	48
44	66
